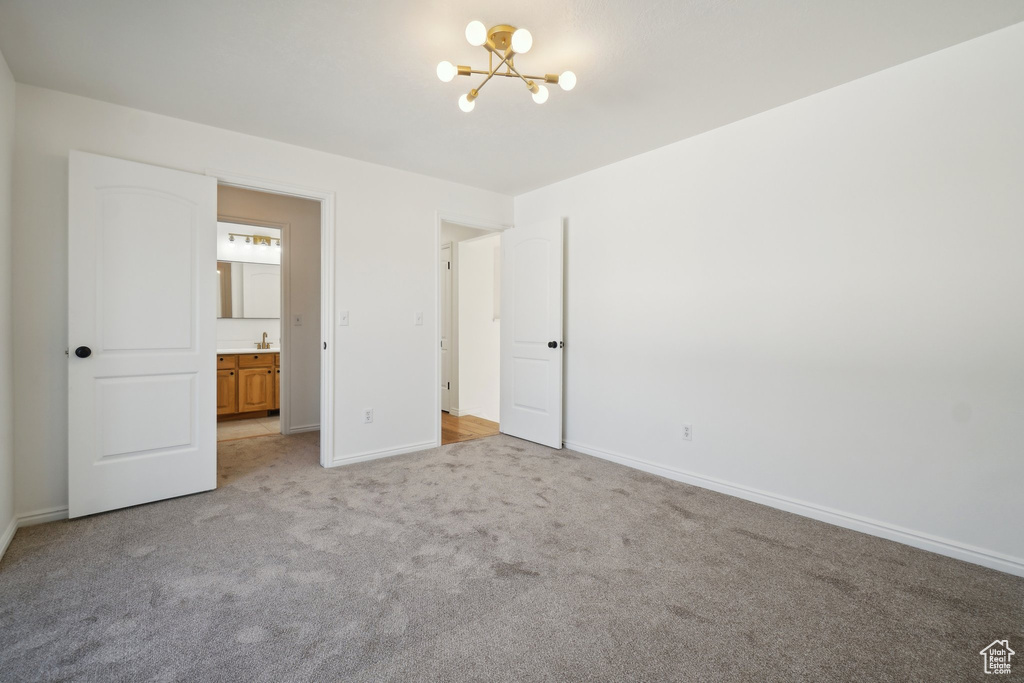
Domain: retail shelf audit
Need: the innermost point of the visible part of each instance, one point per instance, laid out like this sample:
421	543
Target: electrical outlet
368	416
688	432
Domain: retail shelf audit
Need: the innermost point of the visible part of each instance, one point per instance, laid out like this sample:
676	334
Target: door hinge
449	386
449	265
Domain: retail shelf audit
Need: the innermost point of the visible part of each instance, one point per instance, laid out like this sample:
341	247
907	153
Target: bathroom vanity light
504	42
256	240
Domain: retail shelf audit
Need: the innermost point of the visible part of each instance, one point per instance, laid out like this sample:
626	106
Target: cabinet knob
232	374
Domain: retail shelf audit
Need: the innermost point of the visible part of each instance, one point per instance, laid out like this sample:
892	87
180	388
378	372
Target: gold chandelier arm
490	74
529	84
547	78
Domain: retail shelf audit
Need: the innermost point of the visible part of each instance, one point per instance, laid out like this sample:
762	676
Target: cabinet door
255	389
226	392
277	388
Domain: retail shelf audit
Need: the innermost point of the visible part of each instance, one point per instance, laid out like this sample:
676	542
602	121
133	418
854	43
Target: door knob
552	345
83	352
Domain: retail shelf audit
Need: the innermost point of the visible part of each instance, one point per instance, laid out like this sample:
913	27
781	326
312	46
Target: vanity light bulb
231	238
466	104
522	41
248	240
541	96
446	71
476	33
567	81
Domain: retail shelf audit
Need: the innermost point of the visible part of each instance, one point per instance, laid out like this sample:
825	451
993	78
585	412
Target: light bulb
567	81
476	33
522	41
248	241
466	104
231	238
446	71
541	96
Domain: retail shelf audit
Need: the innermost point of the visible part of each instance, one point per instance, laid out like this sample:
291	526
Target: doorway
268	326
469	316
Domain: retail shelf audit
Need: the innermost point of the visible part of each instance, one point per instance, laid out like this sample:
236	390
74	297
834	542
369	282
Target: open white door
446	327
141	324
531	332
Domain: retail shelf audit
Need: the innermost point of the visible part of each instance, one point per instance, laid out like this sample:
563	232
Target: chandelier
503	43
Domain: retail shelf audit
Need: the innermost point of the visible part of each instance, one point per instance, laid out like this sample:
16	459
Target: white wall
479	330
830	292
243	333
7	521
385	258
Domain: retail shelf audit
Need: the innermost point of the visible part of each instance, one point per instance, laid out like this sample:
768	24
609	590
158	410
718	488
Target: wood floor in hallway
465	428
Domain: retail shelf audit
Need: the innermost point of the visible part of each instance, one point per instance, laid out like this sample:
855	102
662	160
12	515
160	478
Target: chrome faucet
263	344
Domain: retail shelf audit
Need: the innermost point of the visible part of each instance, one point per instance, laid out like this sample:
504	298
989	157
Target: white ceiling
356	77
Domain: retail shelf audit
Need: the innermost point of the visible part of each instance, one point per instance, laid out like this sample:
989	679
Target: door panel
531	306
255	389
226	394
446	326
141	275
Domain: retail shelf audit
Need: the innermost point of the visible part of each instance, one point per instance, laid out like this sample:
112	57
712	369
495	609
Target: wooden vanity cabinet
247	383
226	395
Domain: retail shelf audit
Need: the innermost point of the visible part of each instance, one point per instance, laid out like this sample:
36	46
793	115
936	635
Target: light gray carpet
488	560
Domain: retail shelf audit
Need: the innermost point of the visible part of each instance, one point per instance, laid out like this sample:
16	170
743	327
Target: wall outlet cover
368	416
688	432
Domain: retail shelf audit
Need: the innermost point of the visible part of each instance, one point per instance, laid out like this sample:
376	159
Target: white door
531	332
142	266
446	327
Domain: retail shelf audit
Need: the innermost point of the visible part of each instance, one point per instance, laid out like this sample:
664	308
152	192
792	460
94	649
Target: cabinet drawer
249	360
225	362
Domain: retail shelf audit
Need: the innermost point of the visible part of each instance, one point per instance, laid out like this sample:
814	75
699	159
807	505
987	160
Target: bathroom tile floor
246	429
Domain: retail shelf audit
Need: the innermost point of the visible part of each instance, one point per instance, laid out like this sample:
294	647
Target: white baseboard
42	516
8	536
305	428
935	544
374	455
459	413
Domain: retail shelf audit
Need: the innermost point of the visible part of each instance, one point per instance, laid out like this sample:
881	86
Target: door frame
327	201
479	224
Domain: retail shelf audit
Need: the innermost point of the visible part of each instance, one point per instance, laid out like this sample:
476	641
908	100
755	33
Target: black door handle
552	345
83	352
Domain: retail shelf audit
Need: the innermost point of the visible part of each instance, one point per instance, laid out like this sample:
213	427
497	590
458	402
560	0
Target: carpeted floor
490	560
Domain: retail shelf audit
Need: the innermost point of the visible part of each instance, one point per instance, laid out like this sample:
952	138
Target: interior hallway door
446	327
142	340
531	332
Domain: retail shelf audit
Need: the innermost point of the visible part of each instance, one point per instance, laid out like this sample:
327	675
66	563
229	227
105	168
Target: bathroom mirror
248	271
248	290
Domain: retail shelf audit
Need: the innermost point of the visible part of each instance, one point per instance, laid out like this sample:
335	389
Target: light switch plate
342	318
297	320
418	318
